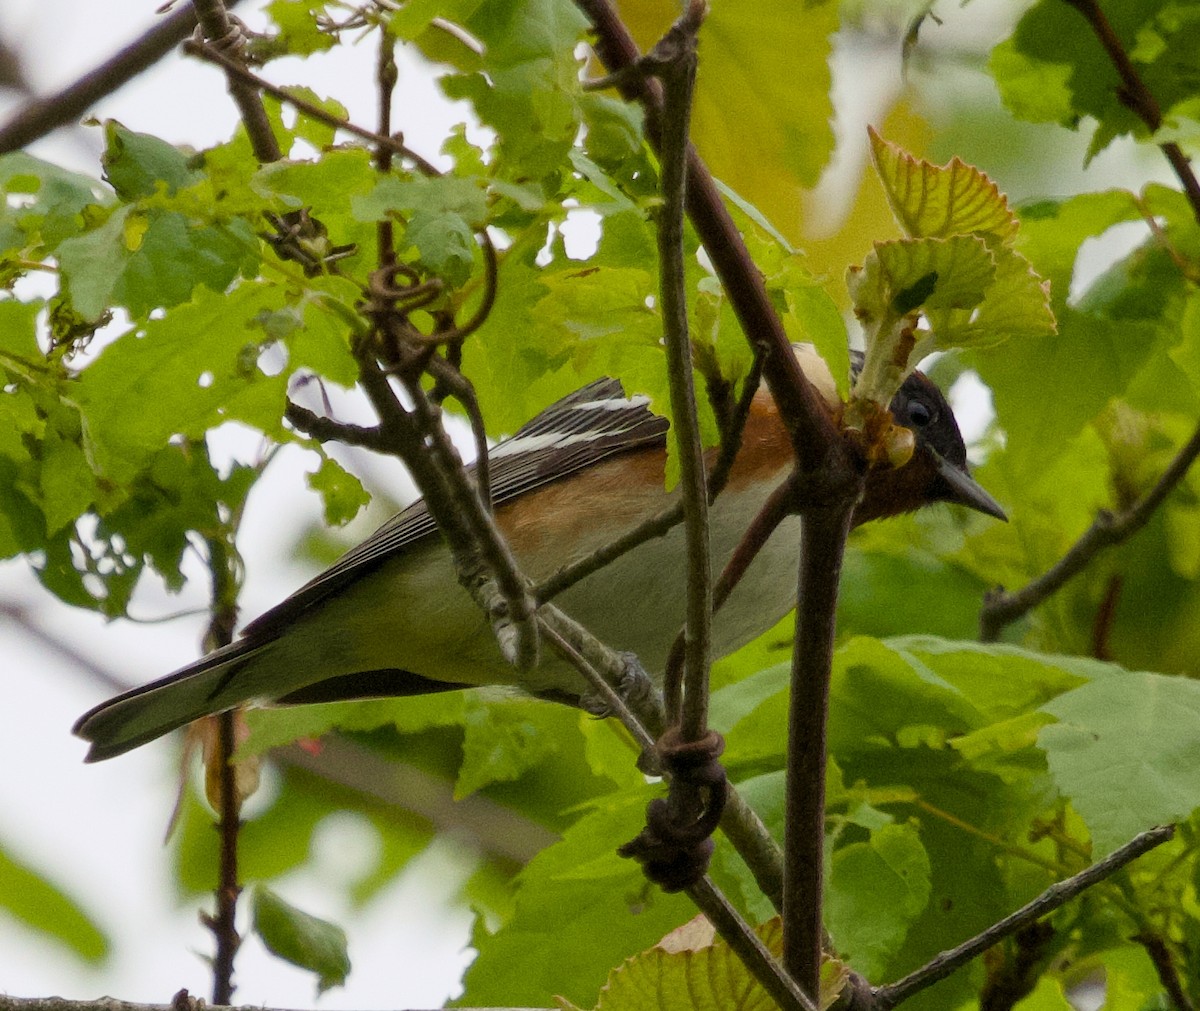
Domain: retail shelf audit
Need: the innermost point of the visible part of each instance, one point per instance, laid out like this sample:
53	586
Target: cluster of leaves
992	771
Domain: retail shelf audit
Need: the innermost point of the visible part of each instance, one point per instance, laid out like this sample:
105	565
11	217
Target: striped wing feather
593	423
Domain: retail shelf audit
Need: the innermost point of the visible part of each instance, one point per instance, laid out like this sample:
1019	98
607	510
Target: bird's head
937	471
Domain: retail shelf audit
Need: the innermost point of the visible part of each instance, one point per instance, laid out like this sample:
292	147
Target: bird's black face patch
920	406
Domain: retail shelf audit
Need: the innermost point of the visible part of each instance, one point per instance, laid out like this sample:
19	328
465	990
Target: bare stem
822	547
224	568
225	35
235	69
1056	895
676	58
1001	609
748	946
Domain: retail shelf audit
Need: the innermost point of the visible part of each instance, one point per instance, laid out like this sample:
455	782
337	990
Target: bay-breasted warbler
389	618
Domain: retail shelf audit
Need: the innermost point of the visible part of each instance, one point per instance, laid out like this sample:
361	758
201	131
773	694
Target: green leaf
1054	68
137	164
148	261
442	195
1124	751
746	122
186	372
940	201
301	939
690	969
1052	232
342	492
877	889
44	204
298	28
1015	306
580	910
503	741
39	904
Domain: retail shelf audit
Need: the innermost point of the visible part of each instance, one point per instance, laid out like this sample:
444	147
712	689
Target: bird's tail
140	715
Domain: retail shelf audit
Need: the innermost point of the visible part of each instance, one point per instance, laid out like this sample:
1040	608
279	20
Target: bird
390	619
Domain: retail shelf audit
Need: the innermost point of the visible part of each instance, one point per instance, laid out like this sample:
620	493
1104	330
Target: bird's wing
593	423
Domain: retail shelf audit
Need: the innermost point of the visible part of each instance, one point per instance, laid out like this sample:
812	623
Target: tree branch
822	547
234	69
1164	966
44	115
225	35
183	1002
1137	97
802	411
675	60
1056	895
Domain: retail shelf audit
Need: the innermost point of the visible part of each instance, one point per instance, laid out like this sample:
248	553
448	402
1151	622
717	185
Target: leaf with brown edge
692	970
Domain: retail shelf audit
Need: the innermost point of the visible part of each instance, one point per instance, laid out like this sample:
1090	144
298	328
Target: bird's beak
965	490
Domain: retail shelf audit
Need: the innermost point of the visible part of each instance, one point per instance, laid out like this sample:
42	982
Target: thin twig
1164	965
1136	96
183	1002
505	590
325	429
748	946
676	59
210	54
224	569
223	923
451	382
386	76
1056	895
565	636
1108	529
822	548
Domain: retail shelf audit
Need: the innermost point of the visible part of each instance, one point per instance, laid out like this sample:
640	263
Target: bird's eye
919	414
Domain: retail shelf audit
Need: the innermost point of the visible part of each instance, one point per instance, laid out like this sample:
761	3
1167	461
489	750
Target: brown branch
225	35
183	1002
822	547
1056	895
327	430
802	411
748	946
224	923
224	569
1164	965
675	57
1134	94
41	116
1108	529
206	52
